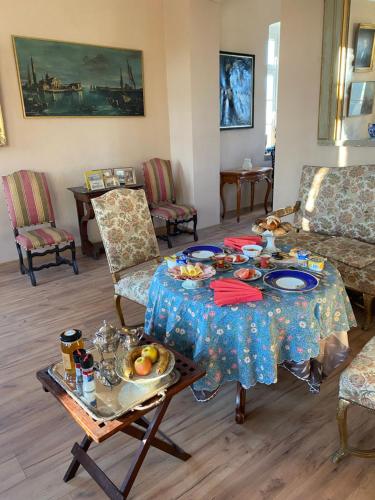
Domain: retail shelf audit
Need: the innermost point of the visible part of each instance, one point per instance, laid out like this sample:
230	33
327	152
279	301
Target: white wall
192	47
299	83
244	28
65	147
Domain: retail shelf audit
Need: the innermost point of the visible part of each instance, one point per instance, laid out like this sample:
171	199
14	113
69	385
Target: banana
163	361
129	359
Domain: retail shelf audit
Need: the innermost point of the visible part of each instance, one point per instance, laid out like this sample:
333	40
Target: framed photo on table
94	180
129	176
364	59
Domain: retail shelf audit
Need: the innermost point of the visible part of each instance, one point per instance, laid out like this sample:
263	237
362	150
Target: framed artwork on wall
74	79
236	90
3	139
361	101
364	59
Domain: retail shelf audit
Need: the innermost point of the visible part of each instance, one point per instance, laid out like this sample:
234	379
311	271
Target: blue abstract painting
73	79
236	90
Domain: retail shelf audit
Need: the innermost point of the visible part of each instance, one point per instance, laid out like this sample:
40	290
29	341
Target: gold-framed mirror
347	89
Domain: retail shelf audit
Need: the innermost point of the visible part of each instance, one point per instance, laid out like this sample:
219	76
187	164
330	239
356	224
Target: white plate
202	254
245	259
258	275
290	283
143	379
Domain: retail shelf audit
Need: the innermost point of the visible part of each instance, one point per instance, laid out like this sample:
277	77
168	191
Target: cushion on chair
158	180
362	280
135	285
172	212
357	382
338	201
351	252
42	237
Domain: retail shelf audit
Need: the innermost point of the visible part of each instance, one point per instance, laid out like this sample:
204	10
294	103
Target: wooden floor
281	452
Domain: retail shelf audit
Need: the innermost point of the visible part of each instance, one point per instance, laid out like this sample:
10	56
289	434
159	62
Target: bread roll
272	222
279	231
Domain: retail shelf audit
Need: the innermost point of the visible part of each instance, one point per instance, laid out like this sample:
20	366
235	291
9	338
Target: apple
142	366
150	352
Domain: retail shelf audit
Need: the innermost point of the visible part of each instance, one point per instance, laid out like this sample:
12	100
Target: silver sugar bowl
107	338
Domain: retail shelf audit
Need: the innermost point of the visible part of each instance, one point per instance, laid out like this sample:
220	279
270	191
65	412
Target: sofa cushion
303	239
357	382
361	280
351	252
338	201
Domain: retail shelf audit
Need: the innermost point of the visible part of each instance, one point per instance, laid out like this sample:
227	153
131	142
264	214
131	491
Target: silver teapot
107	338
130	337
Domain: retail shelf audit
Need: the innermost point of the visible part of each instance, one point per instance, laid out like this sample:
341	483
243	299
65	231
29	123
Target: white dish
257	275
244	257
202	254
252	250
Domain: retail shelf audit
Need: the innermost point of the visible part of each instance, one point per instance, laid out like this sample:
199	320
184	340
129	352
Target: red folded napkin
238	242
229	291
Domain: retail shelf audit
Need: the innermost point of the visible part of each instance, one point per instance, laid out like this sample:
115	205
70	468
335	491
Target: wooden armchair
162	200
29	204
129	240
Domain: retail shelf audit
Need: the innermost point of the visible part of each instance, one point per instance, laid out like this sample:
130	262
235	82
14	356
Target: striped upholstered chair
129	240
162	200
29	204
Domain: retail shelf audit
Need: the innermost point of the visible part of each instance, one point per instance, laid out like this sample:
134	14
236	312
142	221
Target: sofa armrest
283	212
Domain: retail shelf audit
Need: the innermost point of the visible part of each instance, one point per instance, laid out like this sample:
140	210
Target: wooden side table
85	212
239	177
133	424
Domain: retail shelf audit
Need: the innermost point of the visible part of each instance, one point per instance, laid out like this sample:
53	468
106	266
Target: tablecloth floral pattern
245	342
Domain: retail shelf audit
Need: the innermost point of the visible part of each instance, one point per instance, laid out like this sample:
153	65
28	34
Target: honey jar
70	340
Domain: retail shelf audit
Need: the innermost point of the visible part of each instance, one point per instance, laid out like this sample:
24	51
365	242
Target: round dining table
247	342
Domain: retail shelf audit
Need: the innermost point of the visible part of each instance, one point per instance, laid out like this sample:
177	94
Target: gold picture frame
3	139
94	180
111	181
364	54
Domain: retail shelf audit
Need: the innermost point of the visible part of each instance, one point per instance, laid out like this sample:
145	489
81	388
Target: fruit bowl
151	378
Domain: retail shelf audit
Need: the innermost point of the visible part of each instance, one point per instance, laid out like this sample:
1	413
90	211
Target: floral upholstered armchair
129	240
162	200
335	217
357	387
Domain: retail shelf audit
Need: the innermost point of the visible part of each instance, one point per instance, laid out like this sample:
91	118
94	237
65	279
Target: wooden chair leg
168	224
240	403
117	299
30	270
367	302
341	417
20	258
74	260
195	221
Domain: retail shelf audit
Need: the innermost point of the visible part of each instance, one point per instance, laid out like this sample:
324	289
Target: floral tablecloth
246	342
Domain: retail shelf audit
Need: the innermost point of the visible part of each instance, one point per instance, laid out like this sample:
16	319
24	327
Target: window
272	83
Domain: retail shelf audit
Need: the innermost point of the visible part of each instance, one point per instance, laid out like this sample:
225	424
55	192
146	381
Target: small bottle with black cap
78	354
88	379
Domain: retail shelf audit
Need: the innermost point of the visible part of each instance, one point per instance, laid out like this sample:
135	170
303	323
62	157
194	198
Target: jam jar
70	340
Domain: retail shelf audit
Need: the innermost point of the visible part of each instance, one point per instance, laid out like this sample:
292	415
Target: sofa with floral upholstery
335	217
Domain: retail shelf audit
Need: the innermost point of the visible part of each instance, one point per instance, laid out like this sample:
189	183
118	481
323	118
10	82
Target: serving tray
112	402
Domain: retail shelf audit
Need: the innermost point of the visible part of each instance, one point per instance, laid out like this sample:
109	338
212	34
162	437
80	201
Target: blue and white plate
202	252
289	280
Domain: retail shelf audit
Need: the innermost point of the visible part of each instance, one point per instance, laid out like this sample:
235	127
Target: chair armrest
283	212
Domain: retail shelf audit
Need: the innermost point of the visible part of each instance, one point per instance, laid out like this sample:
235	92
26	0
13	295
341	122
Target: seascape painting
73	79
236	90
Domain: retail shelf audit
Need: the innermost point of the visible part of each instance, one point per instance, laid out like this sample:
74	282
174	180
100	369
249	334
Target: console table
239	177
85	212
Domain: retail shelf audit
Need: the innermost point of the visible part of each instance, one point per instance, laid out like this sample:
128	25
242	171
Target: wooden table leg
143	448
269	187
238	199
73	467
252	187
240	403
222	198
88	248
